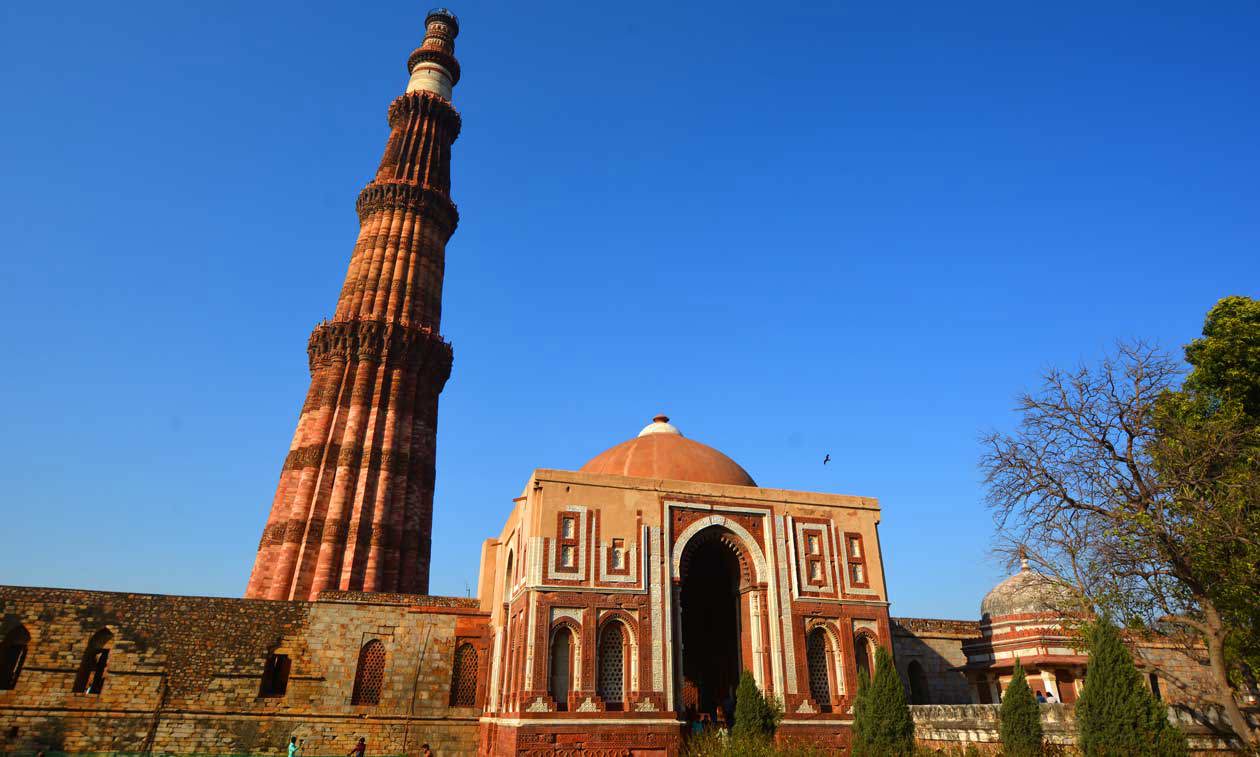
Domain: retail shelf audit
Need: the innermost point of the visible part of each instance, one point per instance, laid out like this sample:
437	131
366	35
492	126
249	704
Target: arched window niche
91	675
464	677
611	658
275	676
862	654
13	656
820	661
369	676
560	667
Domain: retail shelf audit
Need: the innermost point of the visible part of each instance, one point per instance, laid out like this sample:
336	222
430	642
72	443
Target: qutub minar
354	508
617	606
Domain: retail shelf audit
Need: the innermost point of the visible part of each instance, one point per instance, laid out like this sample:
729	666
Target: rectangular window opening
275	680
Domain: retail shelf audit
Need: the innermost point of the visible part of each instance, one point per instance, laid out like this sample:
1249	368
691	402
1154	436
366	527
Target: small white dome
660	425
1028	591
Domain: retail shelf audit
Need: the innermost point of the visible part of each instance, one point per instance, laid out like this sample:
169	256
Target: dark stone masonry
184	674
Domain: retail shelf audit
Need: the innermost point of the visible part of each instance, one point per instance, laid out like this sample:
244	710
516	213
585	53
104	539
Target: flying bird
827	459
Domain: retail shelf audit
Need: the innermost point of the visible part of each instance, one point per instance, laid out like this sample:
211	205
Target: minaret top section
433	66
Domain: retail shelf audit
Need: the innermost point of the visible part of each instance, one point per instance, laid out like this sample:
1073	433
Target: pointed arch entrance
714	577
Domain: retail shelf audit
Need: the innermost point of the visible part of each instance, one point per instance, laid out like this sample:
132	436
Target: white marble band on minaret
433	66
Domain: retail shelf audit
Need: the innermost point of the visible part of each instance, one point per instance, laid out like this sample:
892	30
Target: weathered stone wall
1181	671
184	673
939	726
936	645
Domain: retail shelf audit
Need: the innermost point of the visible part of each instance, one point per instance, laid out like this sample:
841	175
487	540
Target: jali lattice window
464	677
611	685
369	677
816	658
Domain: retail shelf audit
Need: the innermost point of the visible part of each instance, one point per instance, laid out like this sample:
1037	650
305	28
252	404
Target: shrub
755	716
1116	715
882	726
1020	718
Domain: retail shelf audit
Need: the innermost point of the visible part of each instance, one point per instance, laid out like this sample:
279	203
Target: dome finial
659	425
1023	558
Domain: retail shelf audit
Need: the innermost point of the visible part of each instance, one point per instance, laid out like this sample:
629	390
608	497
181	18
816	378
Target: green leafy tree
1208	452
1020	718
755	716
882	726
1116	715
1142	491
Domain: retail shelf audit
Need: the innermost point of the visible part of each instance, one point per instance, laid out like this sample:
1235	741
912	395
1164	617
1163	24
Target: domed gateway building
626	597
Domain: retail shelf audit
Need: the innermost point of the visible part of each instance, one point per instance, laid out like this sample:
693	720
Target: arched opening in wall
507	579
369	676
91	676
508	659
862	654
464	677
711	633
561	667
818	660
13	655
918	683
611	684
275	677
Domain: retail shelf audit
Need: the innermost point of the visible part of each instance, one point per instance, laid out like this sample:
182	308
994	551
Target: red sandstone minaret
354	508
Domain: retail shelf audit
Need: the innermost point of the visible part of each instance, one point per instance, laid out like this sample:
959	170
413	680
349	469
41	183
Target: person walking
360	749
424	751
295	746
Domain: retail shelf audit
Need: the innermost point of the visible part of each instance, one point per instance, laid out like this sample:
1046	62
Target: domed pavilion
1028	617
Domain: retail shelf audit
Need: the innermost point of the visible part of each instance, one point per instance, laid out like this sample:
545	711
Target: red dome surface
659	451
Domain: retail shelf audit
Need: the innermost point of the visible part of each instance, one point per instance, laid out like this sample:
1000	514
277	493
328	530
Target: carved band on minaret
435	205
380	342
353	510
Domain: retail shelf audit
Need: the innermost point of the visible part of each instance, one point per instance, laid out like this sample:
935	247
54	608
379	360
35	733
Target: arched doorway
709	602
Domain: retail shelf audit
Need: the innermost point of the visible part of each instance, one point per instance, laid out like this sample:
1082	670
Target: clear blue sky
798	229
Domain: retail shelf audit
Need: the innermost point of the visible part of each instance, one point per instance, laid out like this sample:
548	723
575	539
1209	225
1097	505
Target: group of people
1045	697
359	750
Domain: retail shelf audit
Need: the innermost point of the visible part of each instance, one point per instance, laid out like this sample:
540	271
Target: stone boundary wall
957	725
184	673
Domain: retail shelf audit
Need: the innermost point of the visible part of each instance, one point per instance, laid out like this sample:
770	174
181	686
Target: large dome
661	451
1027	592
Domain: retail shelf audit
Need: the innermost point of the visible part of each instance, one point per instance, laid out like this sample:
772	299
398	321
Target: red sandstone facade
626	597
354	507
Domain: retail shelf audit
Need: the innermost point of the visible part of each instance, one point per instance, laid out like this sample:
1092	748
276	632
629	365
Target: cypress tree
882	726
1116	715
755	716
1020	718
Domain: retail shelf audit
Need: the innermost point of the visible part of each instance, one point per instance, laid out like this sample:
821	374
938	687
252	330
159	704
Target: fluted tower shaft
354	506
